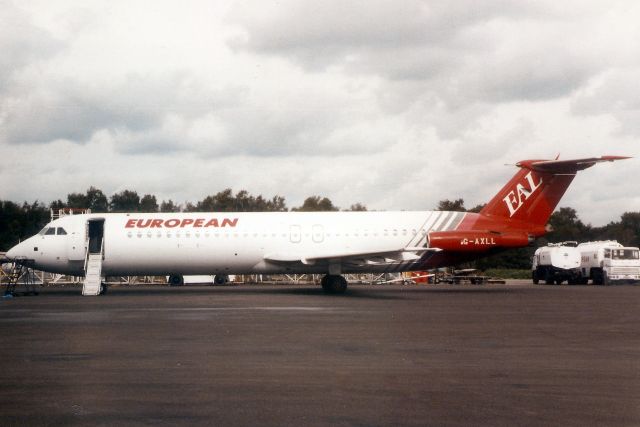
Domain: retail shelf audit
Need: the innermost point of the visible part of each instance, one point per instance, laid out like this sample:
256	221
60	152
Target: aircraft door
95	228
76	237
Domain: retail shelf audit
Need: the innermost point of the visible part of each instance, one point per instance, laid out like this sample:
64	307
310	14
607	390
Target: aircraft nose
16	251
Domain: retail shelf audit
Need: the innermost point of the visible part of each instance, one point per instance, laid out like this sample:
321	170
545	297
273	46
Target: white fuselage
238	243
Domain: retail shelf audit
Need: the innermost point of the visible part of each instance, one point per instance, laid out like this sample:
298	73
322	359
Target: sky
396	105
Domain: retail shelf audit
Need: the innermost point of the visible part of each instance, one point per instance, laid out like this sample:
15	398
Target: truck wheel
597	277
534	278
548	279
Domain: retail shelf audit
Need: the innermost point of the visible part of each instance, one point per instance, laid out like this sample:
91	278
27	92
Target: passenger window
50	232
61	231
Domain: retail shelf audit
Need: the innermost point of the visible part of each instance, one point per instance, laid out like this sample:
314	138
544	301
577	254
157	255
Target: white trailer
608	262
556	263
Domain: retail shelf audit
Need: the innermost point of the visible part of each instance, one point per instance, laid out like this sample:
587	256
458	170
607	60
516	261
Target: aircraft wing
379	257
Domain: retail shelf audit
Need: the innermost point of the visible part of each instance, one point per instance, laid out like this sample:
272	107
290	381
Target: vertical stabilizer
536	189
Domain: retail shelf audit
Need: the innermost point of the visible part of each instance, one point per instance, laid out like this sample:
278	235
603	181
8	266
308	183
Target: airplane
328	243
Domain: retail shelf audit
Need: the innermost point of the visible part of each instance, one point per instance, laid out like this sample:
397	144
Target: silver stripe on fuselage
437	226
441	217
419	237
455	218
435	215
447	226
431	218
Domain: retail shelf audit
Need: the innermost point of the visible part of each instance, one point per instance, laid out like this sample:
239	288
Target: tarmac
444	355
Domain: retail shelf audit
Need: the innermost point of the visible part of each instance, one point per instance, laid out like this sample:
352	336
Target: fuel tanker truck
608	262
556	263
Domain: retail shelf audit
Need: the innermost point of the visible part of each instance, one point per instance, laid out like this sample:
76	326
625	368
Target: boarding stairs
92	284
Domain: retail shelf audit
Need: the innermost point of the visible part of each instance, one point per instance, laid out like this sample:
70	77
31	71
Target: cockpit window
44	230
50	231
61	231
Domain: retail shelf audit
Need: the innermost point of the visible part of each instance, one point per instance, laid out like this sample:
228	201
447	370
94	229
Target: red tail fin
534	192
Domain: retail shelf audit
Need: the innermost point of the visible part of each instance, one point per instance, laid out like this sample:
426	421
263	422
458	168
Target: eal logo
515	199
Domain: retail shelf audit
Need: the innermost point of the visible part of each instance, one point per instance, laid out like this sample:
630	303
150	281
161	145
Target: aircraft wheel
176	280
333	284
220	279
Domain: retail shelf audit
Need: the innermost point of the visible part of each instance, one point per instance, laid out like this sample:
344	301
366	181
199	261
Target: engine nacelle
477	241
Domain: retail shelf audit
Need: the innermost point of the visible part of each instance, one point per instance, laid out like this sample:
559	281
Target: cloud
22	43
492	51
615	93
396	105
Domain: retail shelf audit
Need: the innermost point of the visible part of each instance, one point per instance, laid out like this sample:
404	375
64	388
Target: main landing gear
220	279
333	284
176	280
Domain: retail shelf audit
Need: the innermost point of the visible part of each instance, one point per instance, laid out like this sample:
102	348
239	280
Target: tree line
18	221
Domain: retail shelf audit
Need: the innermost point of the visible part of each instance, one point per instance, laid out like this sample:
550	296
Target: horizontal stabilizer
566	166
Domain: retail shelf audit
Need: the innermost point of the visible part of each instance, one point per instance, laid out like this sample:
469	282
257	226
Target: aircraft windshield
52	231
